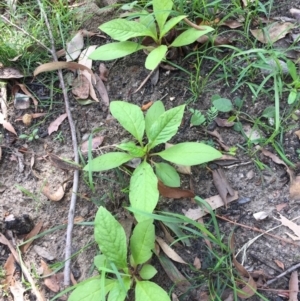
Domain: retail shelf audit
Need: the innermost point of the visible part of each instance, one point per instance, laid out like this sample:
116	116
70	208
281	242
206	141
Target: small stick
26	33
257	230
190	23
289	270
18	259
68	252
144	81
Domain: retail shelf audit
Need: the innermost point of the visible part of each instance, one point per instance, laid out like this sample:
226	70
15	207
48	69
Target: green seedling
32	136
111	239
160	126
155	27
198	118
295	85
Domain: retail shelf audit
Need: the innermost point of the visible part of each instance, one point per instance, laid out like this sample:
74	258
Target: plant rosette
113	260
159	126
154	27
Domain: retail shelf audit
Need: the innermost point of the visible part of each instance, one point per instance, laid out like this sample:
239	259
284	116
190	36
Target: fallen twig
144	81
67	269
257	230
25	271
289	270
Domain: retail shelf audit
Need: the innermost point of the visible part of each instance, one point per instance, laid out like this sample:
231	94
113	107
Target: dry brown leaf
91	86
173	192
9	268
279	263
18	291
62	65
102	91
74	47
293	286
81	87
181	283
63	164
146	106
222	185
37	228
60	53
25	91
273	32
84	56
103	72
248	289
220	140
223	122
214	201
55	196
217	41
197	263
96	142
279	207
169	251
294	227
7	125
294	181
54	125
232	24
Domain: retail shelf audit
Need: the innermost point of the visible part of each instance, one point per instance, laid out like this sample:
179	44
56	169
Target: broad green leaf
190	153
132	149
100	261
223	104
108	161
269	112
111	238
197	118
167	174
130	117
142	241
149	22
165	126
155	57
143	191
292	70
115	50
152	114
148	271
91	290
119	292
190	35
122	30
170	24
162	9
149	291
292	96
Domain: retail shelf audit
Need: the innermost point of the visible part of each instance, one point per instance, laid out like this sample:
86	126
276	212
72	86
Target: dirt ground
258	190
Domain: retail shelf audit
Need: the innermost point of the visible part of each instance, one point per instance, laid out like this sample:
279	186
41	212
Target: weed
32	136
111	239
158	44
160	126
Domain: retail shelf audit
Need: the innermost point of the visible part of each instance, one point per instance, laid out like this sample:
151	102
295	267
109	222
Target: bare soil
258	190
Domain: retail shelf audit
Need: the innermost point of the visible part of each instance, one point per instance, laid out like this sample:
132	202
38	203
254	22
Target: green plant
111	239
32	136
198	118
295	85
153	26
160	126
